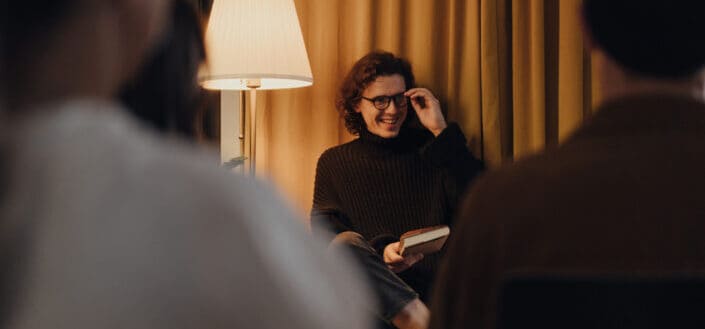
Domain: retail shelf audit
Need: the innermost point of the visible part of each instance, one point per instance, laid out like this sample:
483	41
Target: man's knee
352	240
349	238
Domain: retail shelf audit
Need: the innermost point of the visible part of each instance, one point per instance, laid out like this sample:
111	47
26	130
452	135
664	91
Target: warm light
255	40
240	83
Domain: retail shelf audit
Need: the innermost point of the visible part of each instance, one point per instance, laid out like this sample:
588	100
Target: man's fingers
394	258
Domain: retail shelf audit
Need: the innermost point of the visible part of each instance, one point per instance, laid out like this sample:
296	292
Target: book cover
426	240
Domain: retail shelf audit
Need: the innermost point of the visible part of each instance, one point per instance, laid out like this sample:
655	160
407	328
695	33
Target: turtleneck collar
408	139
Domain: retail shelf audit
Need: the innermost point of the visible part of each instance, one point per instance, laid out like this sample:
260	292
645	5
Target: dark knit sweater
383	187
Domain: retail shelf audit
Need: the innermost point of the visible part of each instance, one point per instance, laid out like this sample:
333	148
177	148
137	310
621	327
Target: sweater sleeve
381	241
449	152
326	214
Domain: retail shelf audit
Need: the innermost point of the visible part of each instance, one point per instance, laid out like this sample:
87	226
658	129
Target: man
624	194
104	224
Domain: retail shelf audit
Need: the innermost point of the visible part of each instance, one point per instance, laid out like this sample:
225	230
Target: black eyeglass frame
384	100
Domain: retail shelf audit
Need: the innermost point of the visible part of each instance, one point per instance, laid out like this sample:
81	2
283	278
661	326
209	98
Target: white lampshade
255	40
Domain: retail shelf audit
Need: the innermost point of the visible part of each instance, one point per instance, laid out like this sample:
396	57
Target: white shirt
132	231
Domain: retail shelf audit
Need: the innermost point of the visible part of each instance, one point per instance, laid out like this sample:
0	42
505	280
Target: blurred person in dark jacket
624	195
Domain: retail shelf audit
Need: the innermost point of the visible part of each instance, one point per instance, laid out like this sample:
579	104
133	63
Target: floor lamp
255	45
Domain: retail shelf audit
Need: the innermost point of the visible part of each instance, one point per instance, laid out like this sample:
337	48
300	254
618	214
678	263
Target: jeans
392	292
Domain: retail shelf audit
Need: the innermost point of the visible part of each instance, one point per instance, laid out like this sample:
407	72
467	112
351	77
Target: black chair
602	302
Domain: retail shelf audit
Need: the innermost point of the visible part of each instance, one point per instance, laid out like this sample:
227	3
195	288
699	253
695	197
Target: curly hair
364	72
165	93
21	26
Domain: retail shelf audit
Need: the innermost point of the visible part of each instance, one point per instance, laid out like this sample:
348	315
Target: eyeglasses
382	102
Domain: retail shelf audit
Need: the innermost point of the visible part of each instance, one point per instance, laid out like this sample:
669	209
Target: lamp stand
252	85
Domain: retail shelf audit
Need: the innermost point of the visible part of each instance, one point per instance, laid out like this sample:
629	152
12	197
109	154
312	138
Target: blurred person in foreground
105	224
624	195
406	171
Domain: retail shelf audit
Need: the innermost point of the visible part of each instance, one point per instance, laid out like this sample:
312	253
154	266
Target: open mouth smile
389	121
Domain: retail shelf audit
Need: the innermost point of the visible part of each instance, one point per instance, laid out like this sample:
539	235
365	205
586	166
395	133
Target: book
425	240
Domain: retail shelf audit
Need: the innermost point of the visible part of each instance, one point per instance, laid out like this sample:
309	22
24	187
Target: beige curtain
513	73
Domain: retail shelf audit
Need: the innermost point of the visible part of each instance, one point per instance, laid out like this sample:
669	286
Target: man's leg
399	304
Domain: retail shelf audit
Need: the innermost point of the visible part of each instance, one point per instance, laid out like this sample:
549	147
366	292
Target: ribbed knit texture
382	188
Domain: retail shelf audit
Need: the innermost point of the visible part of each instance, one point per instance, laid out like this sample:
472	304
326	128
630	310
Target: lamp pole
252	85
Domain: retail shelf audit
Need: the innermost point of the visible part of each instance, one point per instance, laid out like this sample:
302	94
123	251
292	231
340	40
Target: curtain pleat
571	68
496	87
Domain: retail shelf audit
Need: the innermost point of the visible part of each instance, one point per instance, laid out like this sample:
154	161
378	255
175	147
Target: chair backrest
604	302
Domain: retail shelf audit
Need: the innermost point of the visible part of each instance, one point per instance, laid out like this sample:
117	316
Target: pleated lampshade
255	43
